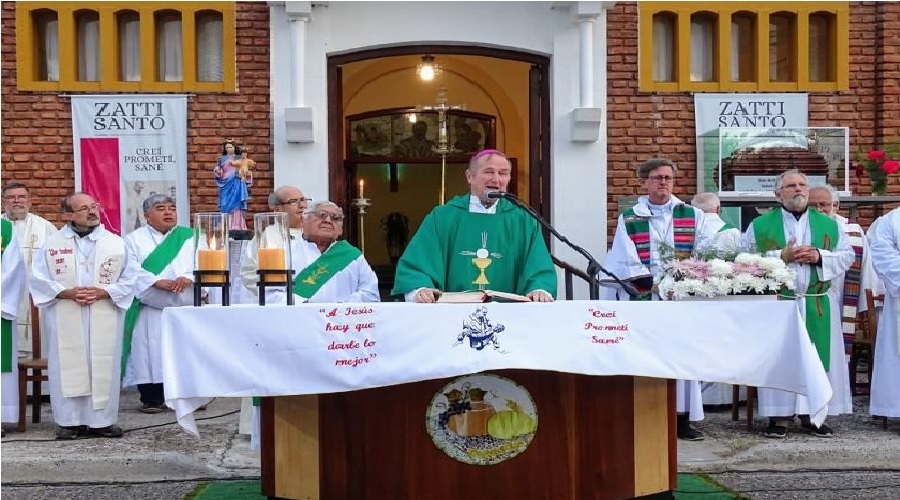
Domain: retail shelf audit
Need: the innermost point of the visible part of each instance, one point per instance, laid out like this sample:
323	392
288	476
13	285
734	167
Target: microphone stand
593	267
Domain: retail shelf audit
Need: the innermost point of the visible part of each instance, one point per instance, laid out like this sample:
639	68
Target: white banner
248	350
715	111
127	148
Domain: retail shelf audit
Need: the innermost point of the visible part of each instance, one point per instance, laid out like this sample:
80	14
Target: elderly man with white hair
727	238
813	245
328	269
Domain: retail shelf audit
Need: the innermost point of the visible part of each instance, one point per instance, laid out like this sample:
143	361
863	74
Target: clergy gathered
101	297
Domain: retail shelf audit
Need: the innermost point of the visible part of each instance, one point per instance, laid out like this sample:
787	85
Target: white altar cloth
248	350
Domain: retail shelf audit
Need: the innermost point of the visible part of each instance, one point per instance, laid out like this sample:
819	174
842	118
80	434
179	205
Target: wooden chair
32	370
867	343
735	400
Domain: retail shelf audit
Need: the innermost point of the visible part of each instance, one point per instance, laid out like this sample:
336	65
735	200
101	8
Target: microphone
594	267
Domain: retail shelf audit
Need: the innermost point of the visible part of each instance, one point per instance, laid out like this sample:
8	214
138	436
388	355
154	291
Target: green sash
6	325
333	261
159	258
768	229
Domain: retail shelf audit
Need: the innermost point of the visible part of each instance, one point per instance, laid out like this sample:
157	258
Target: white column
298	59
586	26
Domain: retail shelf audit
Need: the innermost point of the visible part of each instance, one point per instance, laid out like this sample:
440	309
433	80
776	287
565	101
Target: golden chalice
482	264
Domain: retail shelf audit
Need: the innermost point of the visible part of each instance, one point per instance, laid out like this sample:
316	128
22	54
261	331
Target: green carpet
690	487
701	486
227	490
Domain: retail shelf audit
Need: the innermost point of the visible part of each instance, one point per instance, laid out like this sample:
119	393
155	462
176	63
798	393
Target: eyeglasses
795	185
295	201
91	207
335	216
661	178
14	197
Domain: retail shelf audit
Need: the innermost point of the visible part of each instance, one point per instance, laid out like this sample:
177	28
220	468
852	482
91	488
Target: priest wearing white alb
328	269
163	278
657	228
79	279
815	247
32	231
884	399
13	281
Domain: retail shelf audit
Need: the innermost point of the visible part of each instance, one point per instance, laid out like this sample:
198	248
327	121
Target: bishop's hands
177	285
83	295
539	296
801	254
427	295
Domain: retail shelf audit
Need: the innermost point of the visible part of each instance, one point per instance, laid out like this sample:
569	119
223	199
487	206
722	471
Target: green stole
6	325
159	258
768	229
337	257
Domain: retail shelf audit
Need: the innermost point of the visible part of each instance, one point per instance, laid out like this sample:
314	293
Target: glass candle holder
211	246
273	239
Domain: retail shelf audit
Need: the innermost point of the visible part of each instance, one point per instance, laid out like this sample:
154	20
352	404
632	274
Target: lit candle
271	259
211	260
362	185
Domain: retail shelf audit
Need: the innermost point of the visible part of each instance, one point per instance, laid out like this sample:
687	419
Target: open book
480	296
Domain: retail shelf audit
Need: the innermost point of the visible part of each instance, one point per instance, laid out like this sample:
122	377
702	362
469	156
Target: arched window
87	28
128	24
743	47
664	47
210	66
822	47
783	47
703	46
168	46
46	45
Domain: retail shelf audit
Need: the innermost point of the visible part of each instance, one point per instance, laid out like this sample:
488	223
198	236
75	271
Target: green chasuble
768	231
6	332
452	246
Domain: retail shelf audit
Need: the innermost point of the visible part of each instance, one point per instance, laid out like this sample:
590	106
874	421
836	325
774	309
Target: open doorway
383	129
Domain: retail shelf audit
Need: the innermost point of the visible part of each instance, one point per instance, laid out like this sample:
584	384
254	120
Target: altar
589	376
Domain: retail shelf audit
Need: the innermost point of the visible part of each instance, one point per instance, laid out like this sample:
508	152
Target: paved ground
156	459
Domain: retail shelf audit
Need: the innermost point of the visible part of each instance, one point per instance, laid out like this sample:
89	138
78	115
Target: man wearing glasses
813	245
328	269
79	281
287	199
31	231
658	228
473	229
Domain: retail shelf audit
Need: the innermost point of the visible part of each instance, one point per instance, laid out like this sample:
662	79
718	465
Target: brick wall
642	124
36	130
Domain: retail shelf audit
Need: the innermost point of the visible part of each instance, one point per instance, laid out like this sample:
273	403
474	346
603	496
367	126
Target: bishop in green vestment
474	242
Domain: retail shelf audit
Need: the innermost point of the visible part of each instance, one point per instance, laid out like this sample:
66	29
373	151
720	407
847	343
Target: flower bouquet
747	274
879	166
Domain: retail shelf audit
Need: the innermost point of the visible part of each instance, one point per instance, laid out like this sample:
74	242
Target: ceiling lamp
428	69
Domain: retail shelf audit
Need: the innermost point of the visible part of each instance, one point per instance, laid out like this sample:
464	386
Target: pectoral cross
443	146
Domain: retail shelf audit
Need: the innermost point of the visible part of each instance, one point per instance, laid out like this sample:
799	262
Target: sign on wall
127	148
763	111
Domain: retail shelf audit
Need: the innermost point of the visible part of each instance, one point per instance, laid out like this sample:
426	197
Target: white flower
718	267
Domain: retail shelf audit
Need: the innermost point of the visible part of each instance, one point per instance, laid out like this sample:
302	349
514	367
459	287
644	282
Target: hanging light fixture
427	69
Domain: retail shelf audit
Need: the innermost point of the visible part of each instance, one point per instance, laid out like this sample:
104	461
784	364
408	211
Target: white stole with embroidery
108	262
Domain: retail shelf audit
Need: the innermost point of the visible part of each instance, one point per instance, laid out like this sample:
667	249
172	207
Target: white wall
579	169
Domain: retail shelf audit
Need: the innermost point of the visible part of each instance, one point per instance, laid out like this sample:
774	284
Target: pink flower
877	154
693	268
890	166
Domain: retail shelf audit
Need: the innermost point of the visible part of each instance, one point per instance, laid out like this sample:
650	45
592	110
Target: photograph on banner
127	148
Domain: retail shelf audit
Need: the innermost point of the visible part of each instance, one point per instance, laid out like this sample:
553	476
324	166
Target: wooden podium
597	438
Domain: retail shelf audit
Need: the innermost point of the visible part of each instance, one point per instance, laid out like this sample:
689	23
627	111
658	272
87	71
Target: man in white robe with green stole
79	279
813	245
13	281
659	228
163	279
884	399
476	241
328	269
32	231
